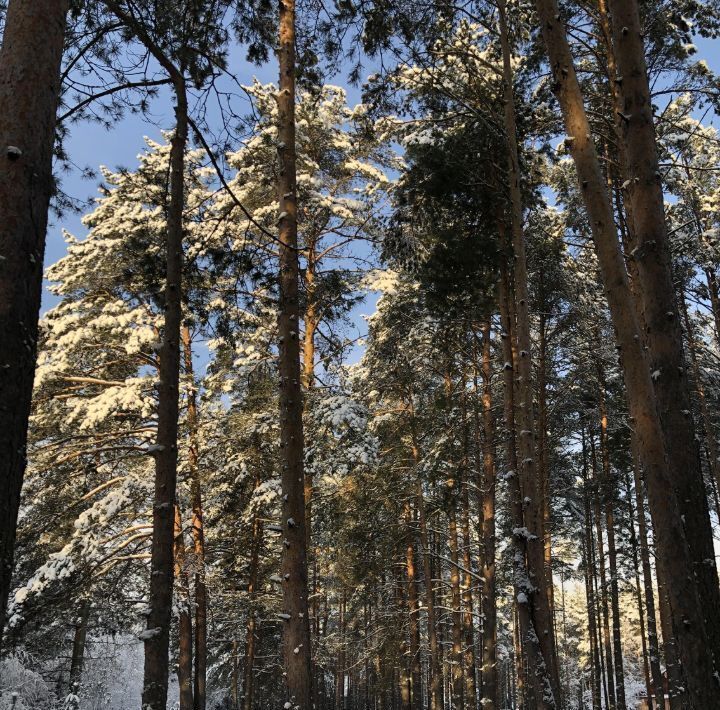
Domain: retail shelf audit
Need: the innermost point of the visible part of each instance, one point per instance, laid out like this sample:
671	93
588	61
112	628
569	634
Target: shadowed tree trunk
251	629
29	94
489	602
605	607
78	652
656	289
157	635
528	644
608	486
198	531
185	632
296	649
531	501
674	554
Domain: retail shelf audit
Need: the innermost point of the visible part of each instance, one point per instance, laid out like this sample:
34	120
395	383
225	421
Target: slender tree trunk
252	629
638	591
413	613
710	441
672	543
595	669
467	584
185	631
404	677
29	94
659	304
470	691
198	530
608	486
296	627
603	578
311	321
435	685
157	635
235	676
489	601
523	586
341	662
458	689
532	505
544	454
79	639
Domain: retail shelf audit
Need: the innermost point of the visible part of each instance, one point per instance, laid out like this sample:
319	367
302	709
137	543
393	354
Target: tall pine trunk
602	569
672	544
30	60
296	651
198	529
532	504
651	255
251	628
435	684
527	647
185	631
489	601
609	487
157	634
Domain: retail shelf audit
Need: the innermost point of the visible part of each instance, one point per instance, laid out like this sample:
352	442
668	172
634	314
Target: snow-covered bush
22	688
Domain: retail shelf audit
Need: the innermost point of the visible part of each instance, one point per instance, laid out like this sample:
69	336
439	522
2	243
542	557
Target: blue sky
90	145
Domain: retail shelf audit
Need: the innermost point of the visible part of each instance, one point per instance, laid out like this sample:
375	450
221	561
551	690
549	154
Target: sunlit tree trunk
605	607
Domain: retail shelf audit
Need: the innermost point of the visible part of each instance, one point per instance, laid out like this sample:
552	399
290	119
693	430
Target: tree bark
296	626
435	685
609	486
659	304
29	95
595	666
157	635
532	504
185	632
198	529
467	579
529	643
79	639
605	607
489	602
672	544
458	686
413	613
341	662
638	591
251	628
